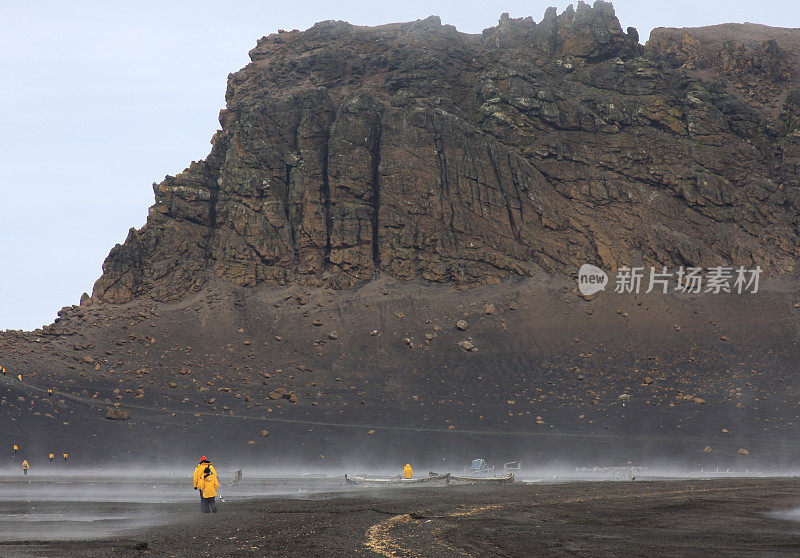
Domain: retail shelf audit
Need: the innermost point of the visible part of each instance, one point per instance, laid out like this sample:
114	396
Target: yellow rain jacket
407	471
198	471
208	485
25	465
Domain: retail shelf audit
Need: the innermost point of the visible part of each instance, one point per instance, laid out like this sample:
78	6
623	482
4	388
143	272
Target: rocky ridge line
418	151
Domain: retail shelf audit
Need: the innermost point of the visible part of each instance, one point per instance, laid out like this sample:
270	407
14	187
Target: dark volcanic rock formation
418	151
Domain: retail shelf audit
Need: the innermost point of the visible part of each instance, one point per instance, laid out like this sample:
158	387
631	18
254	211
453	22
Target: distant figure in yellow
407	471
208	485
52	456
16	448
25	467
50	392
65	456
19	377
3	370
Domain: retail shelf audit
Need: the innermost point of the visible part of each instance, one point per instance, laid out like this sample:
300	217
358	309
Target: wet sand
721	517
52	508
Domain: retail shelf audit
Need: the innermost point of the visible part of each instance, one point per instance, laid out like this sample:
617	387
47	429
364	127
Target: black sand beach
728	517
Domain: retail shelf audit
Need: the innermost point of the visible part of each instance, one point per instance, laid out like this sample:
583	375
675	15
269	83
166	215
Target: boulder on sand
467	345
118	414
277	394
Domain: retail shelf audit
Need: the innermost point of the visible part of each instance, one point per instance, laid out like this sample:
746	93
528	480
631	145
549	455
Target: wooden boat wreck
433	479
479	472
495	478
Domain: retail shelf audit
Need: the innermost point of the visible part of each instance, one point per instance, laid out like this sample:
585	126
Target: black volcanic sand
730	517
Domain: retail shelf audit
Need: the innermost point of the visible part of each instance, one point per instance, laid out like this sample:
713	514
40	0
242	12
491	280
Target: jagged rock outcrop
418	151
588	32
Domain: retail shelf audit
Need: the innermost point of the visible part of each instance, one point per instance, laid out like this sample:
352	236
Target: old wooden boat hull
437	480
479	479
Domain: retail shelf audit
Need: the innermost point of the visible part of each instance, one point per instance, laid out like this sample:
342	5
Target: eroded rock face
729	57
418	151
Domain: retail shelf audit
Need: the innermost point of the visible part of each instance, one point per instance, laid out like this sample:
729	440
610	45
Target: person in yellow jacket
407	471
52	456
208	485
198	473
16	448
66	455
25	466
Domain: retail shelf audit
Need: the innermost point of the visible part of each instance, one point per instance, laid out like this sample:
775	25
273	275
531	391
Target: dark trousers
207	504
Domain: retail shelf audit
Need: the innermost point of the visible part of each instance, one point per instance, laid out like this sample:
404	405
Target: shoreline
678	517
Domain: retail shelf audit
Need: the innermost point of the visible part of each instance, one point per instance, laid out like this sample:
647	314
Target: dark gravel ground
729	517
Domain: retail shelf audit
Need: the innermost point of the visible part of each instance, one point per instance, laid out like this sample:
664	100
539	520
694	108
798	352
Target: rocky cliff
418	151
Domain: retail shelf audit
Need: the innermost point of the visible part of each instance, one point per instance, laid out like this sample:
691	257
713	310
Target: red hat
203	458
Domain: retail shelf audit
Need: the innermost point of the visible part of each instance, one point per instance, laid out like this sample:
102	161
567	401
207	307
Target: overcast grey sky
101	99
